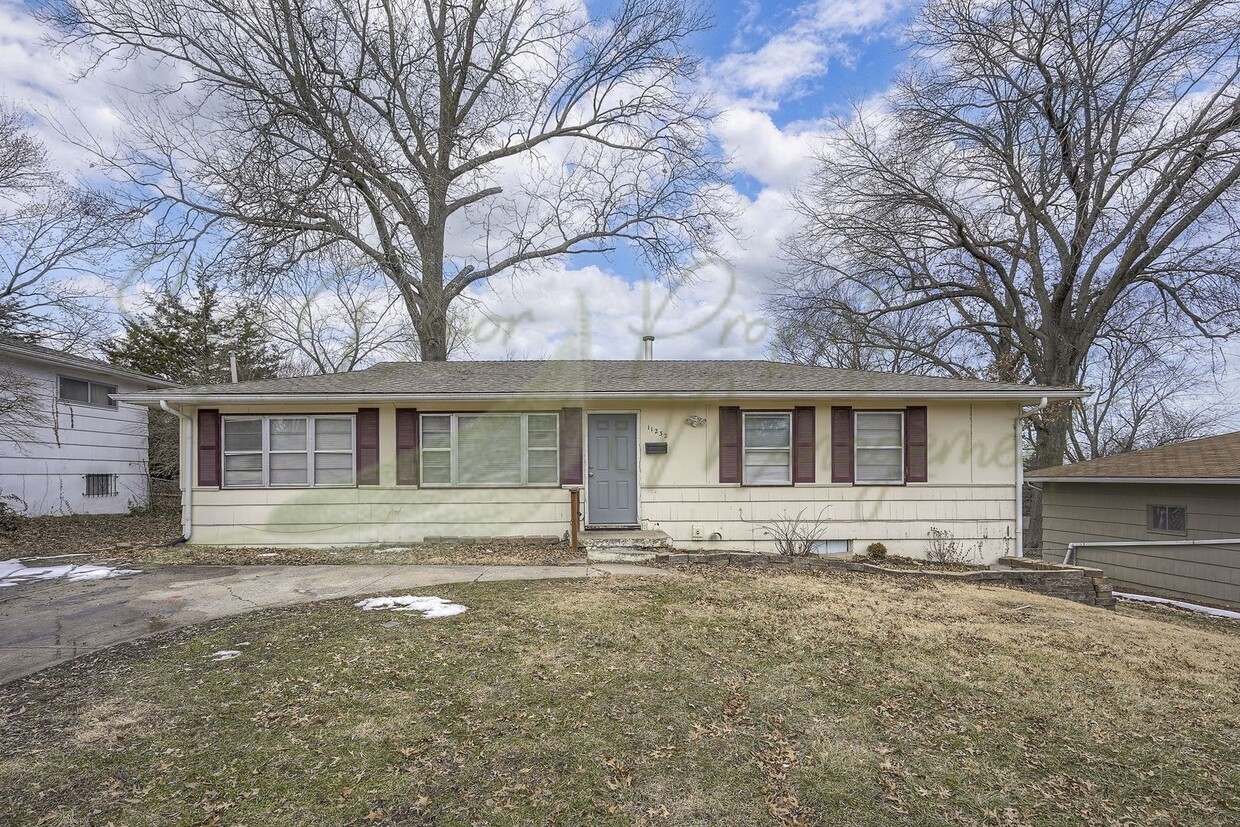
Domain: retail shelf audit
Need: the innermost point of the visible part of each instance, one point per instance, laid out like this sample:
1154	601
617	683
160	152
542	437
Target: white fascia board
153	399
1147	480
75	363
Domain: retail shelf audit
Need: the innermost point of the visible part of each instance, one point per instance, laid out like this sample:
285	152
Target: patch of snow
57	556
428	606
1180	604
224	654
268	554
394	550
14	571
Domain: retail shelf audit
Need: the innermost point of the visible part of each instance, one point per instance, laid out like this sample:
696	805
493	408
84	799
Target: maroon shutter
803	444
729	444
915	444
367	446
406	446
841	445
570	447
209	447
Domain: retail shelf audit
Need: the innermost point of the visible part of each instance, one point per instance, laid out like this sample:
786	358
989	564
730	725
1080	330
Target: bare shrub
942	547
794	535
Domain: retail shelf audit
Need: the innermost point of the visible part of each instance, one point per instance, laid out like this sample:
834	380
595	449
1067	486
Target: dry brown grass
712	699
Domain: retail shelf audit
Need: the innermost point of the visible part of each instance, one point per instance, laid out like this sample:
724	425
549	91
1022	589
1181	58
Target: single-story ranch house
705	451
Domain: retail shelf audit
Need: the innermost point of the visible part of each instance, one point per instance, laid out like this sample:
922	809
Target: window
90	393
879	446
101	485
287	451
767	443
490	449
1168	519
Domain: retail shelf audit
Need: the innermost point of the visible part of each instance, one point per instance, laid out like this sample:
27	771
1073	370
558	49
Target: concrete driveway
43	624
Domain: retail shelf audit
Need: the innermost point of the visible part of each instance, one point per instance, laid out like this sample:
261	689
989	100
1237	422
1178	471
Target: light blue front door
612	454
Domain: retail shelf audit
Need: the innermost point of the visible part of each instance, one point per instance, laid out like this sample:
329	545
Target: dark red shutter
367	446
803	445
841	444
209	447
729	444
407	446
915	444
570	447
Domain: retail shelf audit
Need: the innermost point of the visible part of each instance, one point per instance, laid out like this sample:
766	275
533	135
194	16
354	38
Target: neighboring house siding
1084	512
70	440
970	490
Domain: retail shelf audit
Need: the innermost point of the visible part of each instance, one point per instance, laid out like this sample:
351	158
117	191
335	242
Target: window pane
99	394
436	433
243	434
875	429
288	469
287	434
243	469
768	431
880	465
333	469
333	434
75	390
436	467
544	467
542	430
768	467
489	450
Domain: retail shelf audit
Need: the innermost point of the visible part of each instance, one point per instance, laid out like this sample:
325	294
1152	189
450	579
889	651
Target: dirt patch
93	533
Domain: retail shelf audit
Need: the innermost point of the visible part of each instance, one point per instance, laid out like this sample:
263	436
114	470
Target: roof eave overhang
154	399
72	363
1148	480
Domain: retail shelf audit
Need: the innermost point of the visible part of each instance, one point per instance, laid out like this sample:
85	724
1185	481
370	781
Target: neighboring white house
702	452
82	452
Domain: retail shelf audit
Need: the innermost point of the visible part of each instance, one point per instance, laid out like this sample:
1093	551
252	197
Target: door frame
637	460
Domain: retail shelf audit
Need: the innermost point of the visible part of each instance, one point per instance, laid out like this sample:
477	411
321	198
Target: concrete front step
632	539
619	554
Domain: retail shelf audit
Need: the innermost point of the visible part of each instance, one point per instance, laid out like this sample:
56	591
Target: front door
611	496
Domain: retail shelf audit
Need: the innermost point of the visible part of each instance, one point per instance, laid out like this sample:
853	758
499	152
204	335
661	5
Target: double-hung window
287	451
767	444
879	446
492	449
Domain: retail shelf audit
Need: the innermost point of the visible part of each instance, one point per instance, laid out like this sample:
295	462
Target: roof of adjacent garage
1215	458
568	378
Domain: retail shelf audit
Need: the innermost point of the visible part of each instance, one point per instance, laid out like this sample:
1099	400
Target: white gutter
719	393
1147	480
1020	476
1072	547
185	437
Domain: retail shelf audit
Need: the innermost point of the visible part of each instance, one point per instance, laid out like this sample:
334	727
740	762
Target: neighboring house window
879	446
287	451
100	485
1170	519
490	449
90	393
767	446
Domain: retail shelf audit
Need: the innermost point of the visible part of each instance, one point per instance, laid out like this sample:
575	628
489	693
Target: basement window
1167	519
101	485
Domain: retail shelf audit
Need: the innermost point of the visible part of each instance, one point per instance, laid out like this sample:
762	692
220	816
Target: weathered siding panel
1116	512
70	440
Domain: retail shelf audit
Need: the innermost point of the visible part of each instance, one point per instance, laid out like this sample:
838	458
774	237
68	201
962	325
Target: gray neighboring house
1165	521
82	451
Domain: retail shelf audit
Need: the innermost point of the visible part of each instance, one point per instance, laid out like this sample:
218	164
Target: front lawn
711	699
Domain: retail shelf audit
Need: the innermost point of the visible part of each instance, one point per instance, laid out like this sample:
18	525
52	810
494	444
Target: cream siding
971	489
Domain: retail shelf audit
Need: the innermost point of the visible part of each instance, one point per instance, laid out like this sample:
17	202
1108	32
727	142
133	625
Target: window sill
87	404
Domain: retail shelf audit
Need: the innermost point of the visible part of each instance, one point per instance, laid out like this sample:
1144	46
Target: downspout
1020	477
185	434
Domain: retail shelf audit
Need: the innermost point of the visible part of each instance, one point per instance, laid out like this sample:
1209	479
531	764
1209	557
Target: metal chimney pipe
648	348
232	365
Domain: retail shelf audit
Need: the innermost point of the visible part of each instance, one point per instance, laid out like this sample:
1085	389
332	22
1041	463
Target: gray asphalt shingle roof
1214	457
574	378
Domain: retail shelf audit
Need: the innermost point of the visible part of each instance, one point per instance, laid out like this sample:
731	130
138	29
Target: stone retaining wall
1076	583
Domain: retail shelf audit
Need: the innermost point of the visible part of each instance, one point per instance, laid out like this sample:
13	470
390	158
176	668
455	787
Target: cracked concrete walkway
43	624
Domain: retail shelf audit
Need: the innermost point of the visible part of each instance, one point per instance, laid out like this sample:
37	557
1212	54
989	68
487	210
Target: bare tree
331	319
445	142
1040	166
19	406
52	235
